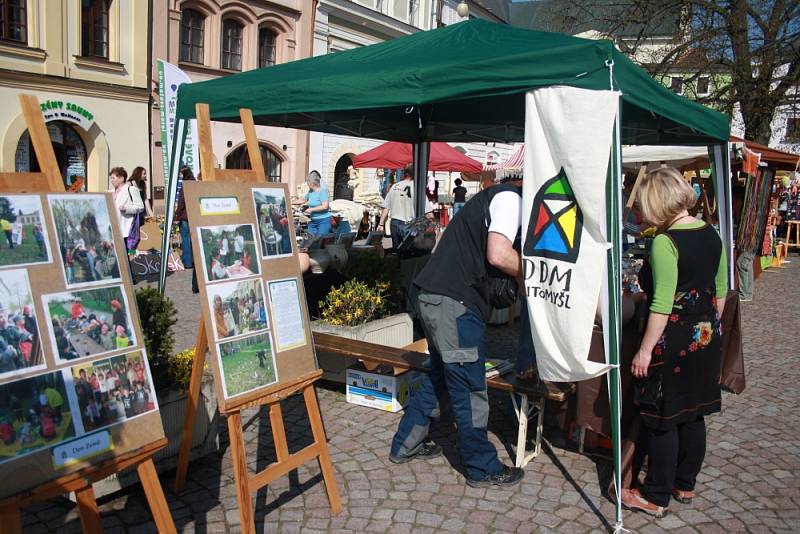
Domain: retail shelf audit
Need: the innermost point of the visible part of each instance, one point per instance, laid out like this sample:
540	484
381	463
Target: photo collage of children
232	257
97	373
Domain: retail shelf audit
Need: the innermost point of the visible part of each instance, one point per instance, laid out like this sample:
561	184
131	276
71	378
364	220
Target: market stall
755	173
396	155
473	81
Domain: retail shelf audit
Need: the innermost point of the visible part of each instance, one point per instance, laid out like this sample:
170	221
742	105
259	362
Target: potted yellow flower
358	310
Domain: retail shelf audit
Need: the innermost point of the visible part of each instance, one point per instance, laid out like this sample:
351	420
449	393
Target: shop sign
62	110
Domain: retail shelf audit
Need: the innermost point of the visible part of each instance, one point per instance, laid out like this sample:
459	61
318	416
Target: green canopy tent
465	82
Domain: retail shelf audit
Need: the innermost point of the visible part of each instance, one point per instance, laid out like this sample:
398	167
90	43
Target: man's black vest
458	268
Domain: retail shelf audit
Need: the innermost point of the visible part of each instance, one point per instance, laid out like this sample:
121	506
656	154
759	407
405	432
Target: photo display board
251	287
75	384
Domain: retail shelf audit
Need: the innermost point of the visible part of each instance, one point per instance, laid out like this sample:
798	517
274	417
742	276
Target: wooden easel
246	485
49	180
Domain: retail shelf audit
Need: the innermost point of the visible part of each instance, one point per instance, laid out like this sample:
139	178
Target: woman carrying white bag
129	204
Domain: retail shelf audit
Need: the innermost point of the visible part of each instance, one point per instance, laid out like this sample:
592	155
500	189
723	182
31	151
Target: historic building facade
208	39
87	62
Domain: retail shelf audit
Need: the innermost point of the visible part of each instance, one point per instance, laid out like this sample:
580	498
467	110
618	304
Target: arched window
94	28
341	177
267	40
70	154
231	45
238	159
192	22
14	21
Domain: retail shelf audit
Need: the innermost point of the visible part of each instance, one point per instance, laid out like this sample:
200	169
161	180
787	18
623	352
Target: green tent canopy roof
463	82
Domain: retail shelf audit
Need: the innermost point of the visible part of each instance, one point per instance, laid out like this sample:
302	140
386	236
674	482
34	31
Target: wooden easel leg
155	497
193	399
325	464
241	475
10	520
278	432
87	507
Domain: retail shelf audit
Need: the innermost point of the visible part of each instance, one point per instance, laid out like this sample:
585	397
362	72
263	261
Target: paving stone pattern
750	480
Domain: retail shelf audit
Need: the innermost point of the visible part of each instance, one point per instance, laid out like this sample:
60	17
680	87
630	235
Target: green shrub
157	314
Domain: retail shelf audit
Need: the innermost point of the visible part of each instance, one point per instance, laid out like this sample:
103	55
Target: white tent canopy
676	156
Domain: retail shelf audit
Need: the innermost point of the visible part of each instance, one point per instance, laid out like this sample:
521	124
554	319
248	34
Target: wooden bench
532	397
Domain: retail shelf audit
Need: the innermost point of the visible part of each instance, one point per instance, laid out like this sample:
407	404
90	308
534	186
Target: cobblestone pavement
750	480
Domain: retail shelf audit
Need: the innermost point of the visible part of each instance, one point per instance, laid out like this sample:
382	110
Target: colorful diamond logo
556	223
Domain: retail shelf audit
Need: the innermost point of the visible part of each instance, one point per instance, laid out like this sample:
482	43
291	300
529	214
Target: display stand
49	180
246	484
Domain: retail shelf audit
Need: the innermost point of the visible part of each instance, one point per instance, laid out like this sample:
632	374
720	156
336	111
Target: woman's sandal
683	496
632	499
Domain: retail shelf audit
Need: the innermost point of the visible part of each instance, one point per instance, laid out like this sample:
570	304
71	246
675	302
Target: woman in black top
680	351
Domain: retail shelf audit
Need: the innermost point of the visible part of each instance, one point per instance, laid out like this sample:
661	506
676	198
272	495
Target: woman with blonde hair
677	367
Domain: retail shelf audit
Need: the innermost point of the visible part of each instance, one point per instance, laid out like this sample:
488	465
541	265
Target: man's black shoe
425	452
507	477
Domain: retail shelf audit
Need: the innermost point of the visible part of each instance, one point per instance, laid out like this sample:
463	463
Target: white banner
568	140
170	78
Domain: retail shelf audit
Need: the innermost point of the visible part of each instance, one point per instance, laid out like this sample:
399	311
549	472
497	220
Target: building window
676	84
192	36
792	129
14	21
94	28
266	47
239	159
702	86
231	45
70	154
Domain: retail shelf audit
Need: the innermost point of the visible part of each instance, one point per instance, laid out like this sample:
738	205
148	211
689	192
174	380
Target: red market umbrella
396	155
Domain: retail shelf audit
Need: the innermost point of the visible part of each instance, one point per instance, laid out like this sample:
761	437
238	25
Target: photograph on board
89	322
34	413
20	345
24	240
229	251
85	239
238	308
247	364
113	390
273	222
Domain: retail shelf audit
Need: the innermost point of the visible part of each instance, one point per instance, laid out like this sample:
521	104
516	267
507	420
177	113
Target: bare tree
749	48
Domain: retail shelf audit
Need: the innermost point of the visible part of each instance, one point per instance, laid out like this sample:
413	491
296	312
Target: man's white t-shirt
506	212
400	201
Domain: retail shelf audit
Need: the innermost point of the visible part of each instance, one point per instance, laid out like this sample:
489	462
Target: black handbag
501	289
647	392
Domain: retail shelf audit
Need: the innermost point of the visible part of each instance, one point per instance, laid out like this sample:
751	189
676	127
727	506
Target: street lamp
462	8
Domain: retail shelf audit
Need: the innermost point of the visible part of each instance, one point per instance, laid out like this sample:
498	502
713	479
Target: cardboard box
381	388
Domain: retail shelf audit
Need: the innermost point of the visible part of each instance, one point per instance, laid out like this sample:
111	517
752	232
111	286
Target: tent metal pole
613	271
420	154
176	156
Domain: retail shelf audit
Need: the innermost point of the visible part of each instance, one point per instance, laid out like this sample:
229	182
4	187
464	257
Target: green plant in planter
180	368
158	315
355	303
369	268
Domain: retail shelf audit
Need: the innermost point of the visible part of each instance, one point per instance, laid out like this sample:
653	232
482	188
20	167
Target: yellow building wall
113	90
